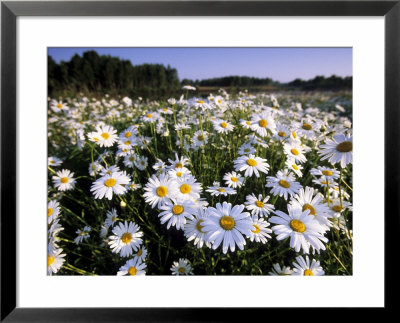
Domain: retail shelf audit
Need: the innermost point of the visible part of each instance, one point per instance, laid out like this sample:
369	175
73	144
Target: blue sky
280	64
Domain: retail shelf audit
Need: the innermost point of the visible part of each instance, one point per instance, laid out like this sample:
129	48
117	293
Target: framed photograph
210	140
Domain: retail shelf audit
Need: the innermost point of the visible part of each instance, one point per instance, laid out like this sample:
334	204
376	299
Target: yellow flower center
256	229
64	180
177	209
308	272
246	150
132	271
337	208
251	162
165	109
260	204
179	174
113	218
96	139
295	167
227	222
281	134
297	226
327	172
200	137
199	227
49	211
345	146
185	189
110	182
161	191
128	134
223	124
139	253
182	270
307	126
294	151
50	260
105	135
126	237
127	142
294	135
263	123
309	207
220	189
248	123
59	106
149	115
131	159
234	179
178	165
200	101
284	183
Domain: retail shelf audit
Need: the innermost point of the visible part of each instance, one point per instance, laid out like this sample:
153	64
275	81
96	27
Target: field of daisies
217	185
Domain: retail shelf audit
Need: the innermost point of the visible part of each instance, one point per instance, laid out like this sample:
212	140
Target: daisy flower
95	168
324	182
104	136
181	267
129	133
189	87
111	218
133	186
178	162
179	172
159	166
141	162
222	126
82	234
260	231
107	185
133	267
305	268
337	207
194	228
54	161
251	164
176	212
64	180
308	128
310	199
295	168
340	149
325	172
294	151
304	231
55	260
282	132
141	254
233	179
217	190
261	122
200	138
283	184
129	160
227	225
109	170
53	210
58	106
150	117
126	238
159	190
246	149
188	187
278	271
258	206
245	123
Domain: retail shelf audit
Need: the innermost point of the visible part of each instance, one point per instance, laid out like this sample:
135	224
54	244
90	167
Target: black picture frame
10	10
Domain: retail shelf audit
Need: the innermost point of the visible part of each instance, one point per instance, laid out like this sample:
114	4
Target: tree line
96	73
93	73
